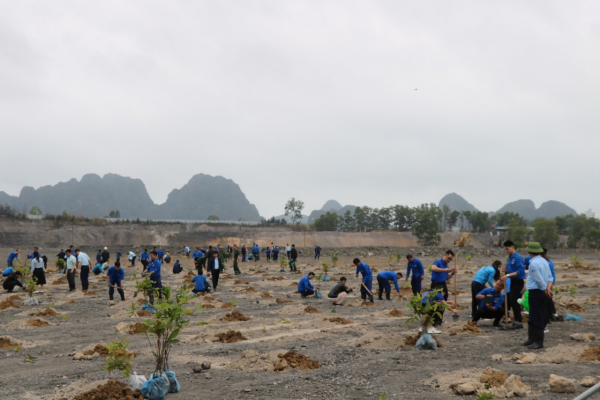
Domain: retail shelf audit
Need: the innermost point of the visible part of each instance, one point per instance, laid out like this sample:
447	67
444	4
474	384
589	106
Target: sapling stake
455	316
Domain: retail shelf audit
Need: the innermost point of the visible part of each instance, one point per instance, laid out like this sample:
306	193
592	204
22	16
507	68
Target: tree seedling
286	321
118	357
29	358
425	313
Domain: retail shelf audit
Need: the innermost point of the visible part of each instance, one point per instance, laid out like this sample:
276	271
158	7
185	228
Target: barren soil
355	351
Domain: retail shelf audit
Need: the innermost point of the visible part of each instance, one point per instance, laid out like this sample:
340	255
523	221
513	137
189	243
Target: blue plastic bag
156	388
148	307
325	278
571	317
426	342
318	295
173	383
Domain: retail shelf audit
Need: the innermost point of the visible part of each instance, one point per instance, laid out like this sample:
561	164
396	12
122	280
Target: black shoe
530	338
380	296
538	335
496	324
371	299
304	296
387	296
110	298
122	298
516	325
363	297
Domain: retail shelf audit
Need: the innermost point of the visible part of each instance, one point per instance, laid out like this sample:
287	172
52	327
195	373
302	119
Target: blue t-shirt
304	284
199	283
197	254
497	298
97	269
8	271
416	267
365	272
145	256
114	275
390	276
154	266
485	275
438	297
516	264
440	276
12	256
526	261
160	253
119	254
551	265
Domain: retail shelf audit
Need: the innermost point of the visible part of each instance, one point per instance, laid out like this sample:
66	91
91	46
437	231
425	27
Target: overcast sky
369	103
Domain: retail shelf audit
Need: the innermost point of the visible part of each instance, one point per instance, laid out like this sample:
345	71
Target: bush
60	264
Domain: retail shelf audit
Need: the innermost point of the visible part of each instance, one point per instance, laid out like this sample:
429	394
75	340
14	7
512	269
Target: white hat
106	248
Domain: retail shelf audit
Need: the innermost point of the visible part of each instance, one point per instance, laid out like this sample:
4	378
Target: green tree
327	222
360	219
564	223
452	219
374	219
293	209
35	210
516	233
480	222
582	230
213	218
385	217
502	219
404	218
446	211
545	231
427	224
348	223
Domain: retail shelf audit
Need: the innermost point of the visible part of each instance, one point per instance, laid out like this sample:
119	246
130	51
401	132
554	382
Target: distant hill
96	196
525	208
456	203
552	208
330	206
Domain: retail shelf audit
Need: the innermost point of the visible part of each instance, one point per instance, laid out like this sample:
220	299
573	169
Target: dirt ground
351	352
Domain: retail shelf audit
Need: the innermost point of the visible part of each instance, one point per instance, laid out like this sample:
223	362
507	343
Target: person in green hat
539	285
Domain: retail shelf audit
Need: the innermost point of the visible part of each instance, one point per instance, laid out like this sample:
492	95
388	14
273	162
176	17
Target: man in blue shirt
384	278
491	301
487	274
317	252
200	284
35	250
116	277
154	270
99	257
196	254
14	255
161	254
441	272
366	286
304	287
119	254
418	273
515	270
145	259
539	286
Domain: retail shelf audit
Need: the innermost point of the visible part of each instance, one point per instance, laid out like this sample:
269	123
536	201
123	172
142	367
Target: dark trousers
440	285
200	269
215	277
537	305
384	285
111	290
415	283
133	262
516	285
144	264
255	256
437	319
289	253
550	310
308	292
363	291
317	256
486	313
476	287
235	267
84	275
10	286
243	257
156	284
71	279
268	258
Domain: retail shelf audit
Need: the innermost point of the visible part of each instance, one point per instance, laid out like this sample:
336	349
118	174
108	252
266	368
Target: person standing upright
154	269
161	254
288	250
105	255
441	273
215	266
415	266
71	269
83	262
236	255
515	270
293	258
37	271
317	252
118	256
244	252
145	258
539	286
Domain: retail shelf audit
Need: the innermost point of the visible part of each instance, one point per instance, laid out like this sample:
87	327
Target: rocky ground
359	349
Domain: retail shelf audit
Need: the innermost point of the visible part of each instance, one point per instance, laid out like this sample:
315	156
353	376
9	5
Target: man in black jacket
293	258
338	292
105	255
215	266
12	281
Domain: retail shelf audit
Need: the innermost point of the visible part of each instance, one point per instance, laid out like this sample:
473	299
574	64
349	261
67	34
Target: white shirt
131	255
36	264
288	248
84	259
216	266
71	260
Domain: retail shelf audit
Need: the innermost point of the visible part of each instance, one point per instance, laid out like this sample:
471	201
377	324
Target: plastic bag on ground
426	342
318	295
148	307
156	388
136	382
571	317
326	278
31	301
173	383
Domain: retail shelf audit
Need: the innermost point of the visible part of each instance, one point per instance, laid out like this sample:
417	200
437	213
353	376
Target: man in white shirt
288	250
71	269
83	262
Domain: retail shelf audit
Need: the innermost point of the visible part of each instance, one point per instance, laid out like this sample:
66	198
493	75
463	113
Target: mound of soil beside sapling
299	361
188	277
591	354
250	289
266	295
574	307
7	343
71	302
143	313
99	348
89	293
112	390
141	301
311	310
227	305
411	341
493	377
208	306
60	281
230	336
37	323
240	282
276	278
280	301
48	312
135	328
9	303
396	313
368	304
235	316
339	320
472	328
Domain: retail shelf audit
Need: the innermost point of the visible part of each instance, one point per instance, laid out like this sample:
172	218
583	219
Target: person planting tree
383	280
116	277
305	288
366	287
415	266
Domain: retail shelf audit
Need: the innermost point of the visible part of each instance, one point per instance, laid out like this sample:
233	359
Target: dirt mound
60	281
296	309
208	306
368	304
299	361
230	336
280	301
472	328
574	307
188	277
240	282
339	320
141	302
130	329
71	302
9	303
235	316
227	305
37	322
112	390
7	343
90	293
593	300
251	360
48	312
266	295
591	354
311	310
379	341
99	348
276	278
396	313
293	284
411	341
493	377
143	313
251	289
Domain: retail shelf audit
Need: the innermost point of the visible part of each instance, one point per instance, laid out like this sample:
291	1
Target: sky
365	102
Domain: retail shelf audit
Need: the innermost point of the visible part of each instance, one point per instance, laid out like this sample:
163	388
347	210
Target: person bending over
338	292
491	303
384	278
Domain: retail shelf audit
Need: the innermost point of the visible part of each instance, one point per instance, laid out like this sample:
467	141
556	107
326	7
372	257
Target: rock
527	358
205	365
560	384
588	381
514	387
497	357
583	337
111	303
463	389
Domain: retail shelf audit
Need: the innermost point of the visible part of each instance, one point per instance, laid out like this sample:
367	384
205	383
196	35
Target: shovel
127	290
455	316
368	291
